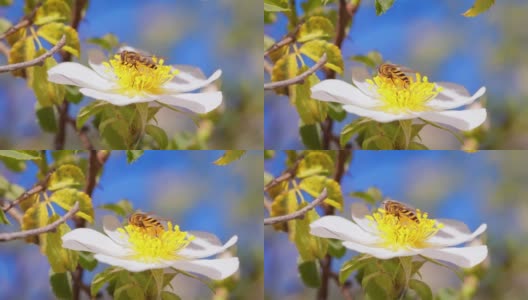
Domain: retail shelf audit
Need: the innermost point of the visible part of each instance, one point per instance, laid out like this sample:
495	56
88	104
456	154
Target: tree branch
299	78
24	22
82	133
290	173
48	228
286	40
39	187
39	61
298	214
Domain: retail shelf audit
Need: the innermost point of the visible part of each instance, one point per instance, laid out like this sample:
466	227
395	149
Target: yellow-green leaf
315	50
314	185
47	93
479	7
35	217
60	259
20	154
316	27
310	247
229	157
284	204
285	68
52	11
107	42
315	163
3	218
67	197
23	50
311	111
66	176
276	5
52	32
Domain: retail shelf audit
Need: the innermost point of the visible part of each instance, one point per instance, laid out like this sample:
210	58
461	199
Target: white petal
186	82
376	115
110	226
453	96
76	74
187	71
129	264
333	90
336	227
202	246
197	102
461	119
216	269
85	239
379	252
465	257
453	234
359	213
115	98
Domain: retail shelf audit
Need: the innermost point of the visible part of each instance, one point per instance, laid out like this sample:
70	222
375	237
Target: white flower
137	249
385	100
122	84
385	236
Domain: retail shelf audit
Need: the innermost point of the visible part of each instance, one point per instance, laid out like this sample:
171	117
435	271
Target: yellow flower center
402	232
154	244
140	78
400	97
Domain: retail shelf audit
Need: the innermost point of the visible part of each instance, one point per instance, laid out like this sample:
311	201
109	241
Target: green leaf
46	117
314	185
285	68
52	32
105	276
66	176
310	247
9	191
60	259
352	265
47	93
336	111
122	208
315	163
276	5
133	155
316	27
5	24
315	50
311	111
61	285
108	41
310	273
165	295
87	261
5	3
351	129
52	11
336	248
479	7
89	110
3	218
371	195
421	288
229	157
20	154
72	94
158	135
382	6
67	197
311	136
371	60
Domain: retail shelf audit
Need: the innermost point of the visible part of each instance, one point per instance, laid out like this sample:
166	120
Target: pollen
140	78
399	97
153	244
404	233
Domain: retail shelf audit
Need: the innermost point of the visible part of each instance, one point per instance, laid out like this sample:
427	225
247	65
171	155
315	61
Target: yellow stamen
402	232
140	79
399	97
154	244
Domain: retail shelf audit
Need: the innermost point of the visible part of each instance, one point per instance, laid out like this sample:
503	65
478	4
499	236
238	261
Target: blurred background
433	37
184	186
483	187
220	34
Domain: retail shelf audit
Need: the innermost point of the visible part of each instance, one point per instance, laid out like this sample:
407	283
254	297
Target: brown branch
4	49
13	212
297	214
39	61
345	287
299	78
48	228
26	21
286	175
286	40
39	187
82	133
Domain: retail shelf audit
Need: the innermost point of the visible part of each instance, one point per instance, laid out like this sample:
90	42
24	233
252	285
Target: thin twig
82	133
297	214
289	173
48	228
39	61
24	22
39	187
299	78
13	212
286	40
4	49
